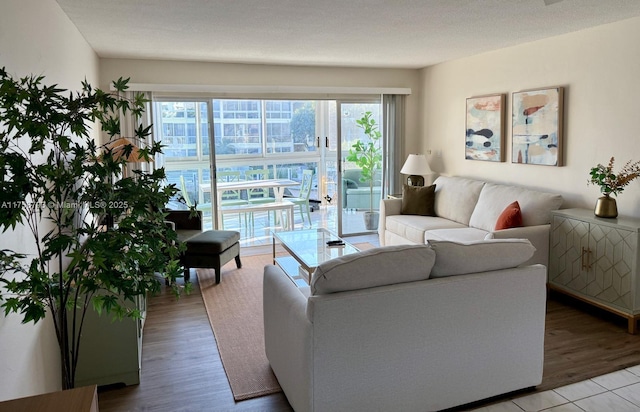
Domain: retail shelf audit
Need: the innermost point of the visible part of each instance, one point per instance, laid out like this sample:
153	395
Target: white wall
36	37
600	70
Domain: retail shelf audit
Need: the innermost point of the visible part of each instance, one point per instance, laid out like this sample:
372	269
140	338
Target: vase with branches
99	237
611	183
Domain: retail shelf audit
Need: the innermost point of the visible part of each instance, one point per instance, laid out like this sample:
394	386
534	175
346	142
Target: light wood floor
182	371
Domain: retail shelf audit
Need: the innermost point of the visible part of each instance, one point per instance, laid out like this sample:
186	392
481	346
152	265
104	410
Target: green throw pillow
418	200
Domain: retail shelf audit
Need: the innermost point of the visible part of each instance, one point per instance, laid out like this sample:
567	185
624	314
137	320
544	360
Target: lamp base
415	180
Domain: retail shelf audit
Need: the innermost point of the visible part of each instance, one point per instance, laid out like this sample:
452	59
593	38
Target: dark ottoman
211	249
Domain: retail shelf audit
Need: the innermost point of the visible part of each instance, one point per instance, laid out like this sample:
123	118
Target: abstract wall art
485	128
536	131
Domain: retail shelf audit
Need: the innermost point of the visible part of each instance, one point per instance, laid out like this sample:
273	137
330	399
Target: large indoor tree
99	235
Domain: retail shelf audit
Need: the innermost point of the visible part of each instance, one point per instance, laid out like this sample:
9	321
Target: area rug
234	308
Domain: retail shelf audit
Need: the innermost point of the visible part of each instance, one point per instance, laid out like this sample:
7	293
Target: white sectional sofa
467	210
439	333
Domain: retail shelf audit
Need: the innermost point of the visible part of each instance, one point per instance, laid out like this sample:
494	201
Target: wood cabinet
83	399
111	351
596	260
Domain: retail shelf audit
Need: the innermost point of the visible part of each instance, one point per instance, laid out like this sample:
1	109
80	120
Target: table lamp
415	166
118	149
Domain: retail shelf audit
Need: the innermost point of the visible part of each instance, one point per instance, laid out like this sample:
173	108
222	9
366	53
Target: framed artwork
536	132
485	128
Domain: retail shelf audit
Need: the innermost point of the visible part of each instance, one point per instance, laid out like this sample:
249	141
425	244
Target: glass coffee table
307	249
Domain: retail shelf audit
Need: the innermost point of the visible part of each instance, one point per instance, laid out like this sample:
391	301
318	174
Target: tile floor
614	392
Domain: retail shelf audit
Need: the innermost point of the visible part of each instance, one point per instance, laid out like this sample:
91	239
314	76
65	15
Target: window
240	130
178	128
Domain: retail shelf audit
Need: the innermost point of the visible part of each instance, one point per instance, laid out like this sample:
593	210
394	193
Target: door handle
585	259
318	141
326	142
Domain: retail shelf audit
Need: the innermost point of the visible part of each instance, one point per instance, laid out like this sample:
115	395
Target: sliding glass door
361	166
213	140
232	139
184	129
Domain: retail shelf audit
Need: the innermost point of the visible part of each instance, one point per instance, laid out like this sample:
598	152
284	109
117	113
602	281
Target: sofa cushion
418	200
361	198
413	227
536	206
481	256
364	191
212	241
456	197
510	217
373	267
463	234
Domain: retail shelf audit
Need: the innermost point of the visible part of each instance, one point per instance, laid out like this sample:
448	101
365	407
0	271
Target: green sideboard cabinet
111	351
597	261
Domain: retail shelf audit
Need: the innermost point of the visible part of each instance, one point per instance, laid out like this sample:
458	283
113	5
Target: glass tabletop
309	246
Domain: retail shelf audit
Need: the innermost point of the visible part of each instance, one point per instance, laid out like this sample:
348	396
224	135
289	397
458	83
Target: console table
596	260
111	351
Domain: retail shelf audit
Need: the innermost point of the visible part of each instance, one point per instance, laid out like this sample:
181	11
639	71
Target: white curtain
128	124
393	115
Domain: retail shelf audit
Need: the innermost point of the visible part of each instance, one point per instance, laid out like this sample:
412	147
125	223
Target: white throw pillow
374	267
454	258
535	206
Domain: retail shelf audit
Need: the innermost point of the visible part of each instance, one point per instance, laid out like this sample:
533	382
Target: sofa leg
217	269
187	274
238	263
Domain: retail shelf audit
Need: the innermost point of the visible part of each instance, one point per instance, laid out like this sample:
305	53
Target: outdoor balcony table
278	186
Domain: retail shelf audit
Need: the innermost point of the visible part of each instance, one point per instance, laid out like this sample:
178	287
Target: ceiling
351	33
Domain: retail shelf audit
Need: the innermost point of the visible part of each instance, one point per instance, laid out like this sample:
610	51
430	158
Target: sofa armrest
350	184
287	335
538	235
346	184
388	207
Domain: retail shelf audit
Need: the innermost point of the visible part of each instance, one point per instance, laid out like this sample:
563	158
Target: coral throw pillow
510	217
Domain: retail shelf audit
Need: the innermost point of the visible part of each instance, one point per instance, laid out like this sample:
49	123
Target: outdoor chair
259	196
231	197
303	197
204	207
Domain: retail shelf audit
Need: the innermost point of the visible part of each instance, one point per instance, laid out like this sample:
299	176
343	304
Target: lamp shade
118	149
416	164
